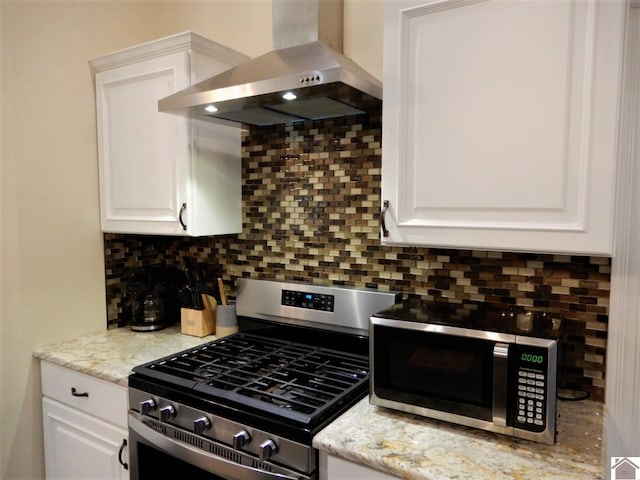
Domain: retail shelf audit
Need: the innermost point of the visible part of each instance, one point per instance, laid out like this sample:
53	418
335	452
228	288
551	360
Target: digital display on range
313	301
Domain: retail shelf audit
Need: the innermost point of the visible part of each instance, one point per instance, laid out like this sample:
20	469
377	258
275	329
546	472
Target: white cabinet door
144	153
80	446
500	123
162	173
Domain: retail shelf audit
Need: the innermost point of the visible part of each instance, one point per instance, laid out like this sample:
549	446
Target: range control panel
313	301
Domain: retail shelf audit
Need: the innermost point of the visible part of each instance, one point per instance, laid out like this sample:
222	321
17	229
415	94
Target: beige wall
245	25
363	24
52	259
51	252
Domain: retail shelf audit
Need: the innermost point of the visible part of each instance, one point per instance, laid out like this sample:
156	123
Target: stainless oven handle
500	379
200	459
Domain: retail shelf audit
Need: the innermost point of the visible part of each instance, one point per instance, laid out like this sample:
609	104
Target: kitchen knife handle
223	294
197	298
182	209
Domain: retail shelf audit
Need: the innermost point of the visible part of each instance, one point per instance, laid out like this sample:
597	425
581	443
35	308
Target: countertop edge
112	354
417	448
94	371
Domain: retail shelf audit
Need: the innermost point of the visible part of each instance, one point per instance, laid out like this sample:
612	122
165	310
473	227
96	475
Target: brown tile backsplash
311	197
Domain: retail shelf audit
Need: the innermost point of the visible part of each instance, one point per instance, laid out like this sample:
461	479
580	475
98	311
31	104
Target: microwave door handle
500	380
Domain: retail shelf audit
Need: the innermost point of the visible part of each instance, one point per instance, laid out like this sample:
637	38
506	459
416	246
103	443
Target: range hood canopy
300	80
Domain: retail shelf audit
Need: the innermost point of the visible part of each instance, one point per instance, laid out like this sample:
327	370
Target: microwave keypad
530	412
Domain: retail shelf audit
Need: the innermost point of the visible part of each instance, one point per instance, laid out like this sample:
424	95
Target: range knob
147	406
267	449
241	439
167	413
200	425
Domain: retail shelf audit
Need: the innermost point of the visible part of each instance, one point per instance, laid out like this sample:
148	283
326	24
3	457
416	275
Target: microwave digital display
531	358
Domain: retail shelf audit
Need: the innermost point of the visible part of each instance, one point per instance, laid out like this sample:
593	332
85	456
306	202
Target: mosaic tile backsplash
311	197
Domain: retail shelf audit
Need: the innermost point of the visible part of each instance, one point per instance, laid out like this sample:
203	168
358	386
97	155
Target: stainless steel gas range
247	406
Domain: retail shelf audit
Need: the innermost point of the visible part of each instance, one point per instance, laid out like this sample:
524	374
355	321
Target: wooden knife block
199	323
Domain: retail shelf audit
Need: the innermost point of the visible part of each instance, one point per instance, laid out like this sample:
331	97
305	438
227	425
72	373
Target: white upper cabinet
162	173
500	123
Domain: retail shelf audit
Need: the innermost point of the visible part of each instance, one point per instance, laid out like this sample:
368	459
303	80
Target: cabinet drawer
104	400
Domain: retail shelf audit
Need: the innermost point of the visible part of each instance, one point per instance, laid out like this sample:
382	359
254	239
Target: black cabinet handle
383	212
124	464
76	393
182	209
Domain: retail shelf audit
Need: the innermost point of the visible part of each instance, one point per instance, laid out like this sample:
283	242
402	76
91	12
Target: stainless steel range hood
304	78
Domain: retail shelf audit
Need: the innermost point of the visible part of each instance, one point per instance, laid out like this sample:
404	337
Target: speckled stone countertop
112	354
400	444
412	447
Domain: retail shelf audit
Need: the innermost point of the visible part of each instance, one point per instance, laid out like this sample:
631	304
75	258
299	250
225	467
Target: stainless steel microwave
478	367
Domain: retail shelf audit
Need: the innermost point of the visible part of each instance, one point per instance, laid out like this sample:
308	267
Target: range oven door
154	455
495	381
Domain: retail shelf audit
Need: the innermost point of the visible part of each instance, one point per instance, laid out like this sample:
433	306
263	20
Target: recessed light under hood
322	82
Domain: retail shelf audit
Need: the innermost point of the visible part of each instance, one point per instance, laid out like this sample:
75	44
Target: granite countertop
110	355
412	447
404	445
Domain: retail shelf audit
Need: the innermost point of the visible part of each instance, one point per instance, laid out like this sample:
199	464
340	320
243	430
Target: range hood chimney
305	77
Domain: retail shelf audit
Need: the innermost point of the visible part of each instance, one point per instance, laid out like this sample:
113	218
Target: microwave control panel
531	389
313	301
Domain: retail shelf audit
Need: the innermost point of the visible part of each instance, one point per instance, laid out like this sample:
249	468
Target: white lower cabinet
336	468
85	426
78	445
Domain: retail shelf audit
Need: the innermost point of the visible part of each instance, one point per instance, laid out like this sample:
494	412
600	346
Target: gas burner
245	368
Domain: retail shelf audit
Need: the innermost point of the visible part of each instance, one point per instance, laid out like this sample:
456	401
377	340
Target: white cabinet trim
165	46
622	416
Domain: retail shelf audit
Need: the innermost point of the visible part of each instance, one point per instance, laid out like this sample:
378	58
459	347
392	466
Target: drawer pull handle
76	393
125	465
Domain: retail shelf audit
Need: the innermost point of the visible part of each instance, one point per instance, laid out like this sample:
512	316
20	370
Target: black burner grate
289	379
